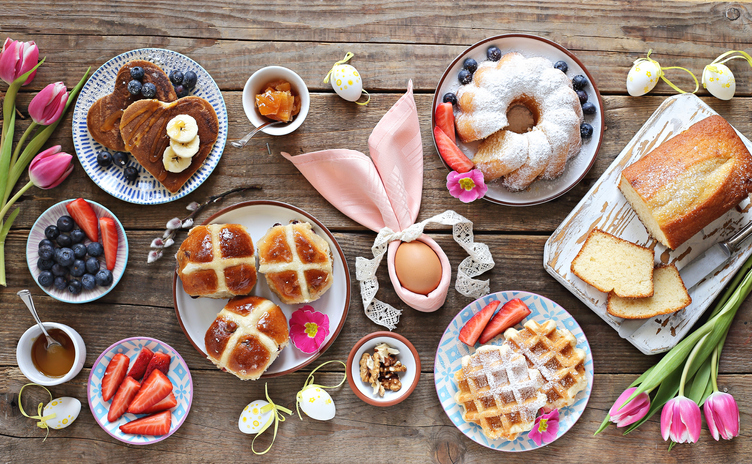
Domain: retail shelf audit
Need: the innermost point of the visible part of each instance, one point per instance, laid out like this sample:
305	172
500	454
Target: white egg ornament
65	409
719	80
346	82
252	419
643	77
316	403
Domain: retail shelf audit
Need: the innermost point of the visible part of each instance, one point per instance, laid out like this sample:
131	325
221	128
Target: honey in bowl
277	101
58	360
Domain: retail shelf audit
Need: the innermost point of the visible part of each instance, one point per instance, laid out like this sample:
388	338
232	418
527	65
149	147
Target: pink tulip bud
681	420
49	168
16	59
722	415
626	414
47	106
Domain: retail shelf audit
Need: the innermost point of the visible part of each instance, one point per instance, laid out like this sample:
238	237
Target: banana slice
185	150
174	163
182	128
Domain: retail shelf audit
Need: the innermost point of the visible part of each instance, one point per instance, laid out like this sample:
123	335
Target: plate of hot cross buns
242	274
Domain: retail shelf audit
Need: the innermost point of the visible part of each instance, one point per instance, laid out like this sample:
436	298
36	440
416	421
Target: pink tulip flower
626	414
681	420
722	416
546	428
50	167
47	106
16	59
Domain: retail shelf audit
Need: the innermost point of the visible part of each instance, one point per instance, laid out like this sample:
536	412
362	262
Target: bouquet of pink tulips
687	378
18	66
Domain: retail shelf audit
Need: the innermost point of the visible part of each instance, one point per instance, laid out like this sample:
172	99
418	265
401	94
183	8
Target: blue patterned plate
146	190
449	360
179	375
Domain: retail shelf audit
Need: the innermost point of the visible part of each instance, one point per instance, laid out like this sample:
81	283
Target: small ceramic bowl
23	354
408	356
254	86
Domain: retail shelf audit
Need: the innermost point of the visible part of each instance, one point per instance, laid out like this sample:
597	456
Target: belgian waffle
553	352
499	392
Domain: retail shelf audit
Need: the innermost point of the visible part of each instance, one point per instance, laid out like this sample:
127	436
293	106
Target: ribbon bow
276	417
662	75
344	60
309	384
720	60
42	424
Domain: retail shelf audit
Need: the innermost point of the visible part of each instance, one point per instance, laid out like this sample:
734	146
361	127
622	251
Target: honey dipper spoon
26	297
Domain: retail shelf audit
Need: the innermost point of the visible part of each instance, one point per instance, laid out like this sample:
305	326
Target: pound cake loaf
689	181
669	296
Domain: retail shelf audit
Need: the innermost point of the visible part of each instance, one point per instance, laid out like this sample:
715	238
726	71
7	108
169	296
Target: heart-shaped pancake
143	128
103	118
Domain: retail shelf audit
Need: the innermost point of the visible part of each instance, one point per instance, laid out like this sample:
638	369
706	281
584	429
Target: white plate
196	315
606	208
539	191
449	360
146	190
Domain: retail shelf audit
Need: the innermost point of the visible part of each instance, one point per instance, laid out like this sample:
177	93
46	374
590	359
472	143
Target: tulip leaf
6	225
604	424
700	382
666	391
5	155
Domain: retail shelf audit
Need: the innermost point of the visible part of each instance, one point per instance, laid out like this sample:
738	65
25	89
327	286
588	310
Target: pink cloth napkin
383	190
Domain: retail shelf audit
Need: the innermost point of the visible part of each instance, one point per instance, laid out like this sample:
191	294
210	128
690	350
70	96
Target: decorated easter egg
643	77
417	266
719	80
346	82
66	410
252	419
317	403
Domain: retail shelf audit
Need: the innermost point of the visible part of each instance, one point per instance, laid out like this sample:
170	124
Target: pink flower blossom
50	167
626	414
722	416
468	186
681	420
546	428
47	106
16	59
308	329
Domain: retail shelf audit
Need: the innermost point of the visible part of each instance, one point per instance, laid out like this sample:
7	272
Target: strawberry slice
156	424
139	365
85	217
474	327
123	398
160	361
450	153
109	241
510	314
114	375
168	403
445	119
154	389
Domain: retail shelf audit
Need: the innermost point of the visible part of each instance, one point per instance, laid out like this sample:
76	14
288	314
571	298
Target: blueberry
104	278
493	53
104	159
65	223
46	241
46	252
45	264
79	250
56	256
92	265
189	80
181	91
561	66
95	249
579	82
149	90
51	232
78	268
88	281
582	95
588	108
465	76
59	270
470	64
137	72
45	279
60	283
77	235
586	130
120	158
66	257
176	77
75	287
64	240
130	173
449	97
135	87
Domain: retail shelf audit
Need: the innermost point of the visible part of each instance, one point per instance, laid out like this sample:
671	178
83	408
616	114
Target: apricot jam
58	360
277	101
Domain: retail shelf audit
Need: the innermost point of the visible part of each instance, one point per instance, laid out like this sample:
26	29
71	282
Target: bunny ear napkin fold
382	192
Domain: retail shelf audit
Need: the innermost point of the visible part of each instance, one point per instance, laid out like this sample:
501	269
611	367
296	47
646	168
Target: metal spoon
242	142
26	297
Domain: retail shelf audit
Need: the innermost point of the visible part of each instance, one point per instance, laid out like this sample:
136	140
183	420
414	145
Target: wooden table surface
393	42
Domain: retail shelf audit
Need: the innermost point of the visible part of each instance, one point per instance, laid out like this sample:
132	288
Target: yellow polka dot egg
719	80
346	81
252	419
317	404
643	77
65	409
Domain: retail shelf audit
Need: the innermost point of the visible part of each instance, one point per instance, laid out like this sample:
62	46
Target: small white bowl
23	354
254	86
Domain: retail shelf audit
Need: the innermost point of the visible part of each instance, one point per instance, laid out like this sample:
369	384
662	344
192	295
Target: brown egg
417	266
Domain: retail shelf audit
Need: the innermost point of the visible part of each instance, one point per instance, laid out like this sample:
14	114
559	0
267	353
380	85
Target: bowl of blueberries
77	251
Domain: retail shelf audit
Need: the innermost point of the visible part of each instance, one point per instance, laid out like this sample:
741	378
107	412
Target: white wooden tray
606	208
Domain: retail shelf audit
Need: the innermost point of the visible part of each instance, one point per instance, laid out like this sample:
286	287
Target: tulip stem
714	369
690	358
29	130
15	197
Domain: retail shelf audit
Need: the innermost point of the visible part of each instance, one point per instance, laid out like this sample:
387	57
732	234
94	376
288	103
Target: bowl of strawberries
140	390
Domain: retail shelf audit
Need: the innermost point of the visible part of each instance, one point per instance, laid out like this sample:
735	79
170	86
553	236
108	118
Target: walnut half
381	369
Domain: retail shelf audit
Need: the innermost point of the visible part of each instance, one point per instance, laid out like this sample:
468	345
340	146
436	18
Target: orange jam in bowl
277	101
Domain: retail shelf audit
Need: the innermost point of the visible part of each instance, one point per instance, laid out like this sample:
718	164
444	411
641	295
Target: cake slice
669	296
609	263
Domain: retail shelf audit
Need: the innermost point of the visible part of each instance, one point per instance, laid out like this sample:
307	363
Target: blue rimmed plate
179	375
36	235
449	360
146	190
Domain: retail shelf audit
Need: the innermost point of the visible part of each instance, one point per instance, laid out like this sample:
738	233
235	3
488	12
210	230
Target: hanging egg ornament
643	77
346	82
66	410
719	80
252	419
316	403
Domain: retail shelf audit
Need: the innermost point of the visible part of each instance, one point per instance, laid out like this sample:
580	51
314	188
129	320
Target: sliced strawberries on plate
123	398
450	152
160	361
154	389
156	424
109	241
85	217
168	403
140	364
444	118
510	314
474	327
114	375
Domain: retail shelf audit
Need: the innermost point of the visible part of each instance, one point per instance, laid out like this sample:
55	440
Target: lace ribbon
42	424
309	384
479	261
276	417
662	75
344	60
